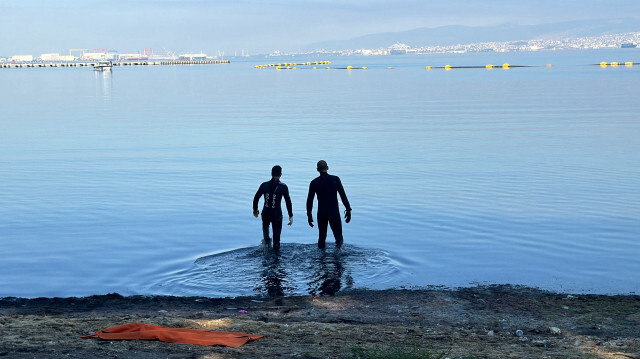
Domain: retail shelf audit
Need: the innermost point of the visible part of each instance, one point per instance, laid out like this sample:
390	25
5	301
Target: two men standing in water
326	187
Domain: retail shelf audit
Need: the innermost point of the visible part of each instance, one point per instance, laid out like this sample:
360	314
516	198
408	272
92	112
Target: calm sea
140	181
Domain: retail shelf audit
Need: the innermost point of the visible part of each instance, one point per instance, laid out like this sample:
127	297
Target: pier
122	64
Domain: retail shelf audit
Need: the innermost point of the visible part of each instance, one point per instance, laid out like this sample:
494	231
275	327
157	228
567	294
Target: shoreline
477	322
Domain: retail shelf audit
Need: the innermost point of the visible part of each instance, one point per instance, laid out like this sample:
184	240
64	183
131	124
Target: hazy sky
257	26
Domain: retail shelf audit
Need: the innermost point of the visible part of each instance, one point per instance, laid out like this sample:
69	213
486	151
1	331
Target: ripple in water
297	269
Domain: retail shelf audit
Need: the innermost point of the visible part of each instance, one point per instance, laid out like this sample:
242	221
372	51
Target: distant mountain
452	35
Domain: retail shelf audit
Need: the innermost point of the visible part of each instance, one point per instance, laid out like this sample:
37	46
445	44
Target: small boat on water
103	66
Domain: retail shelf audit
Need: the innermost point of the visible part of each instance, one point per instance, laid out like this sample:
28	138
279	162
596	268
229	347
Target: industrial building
21	58
56	57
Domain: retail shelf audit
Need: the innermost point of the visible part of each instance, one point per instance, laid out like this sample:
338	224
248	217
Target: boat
103	66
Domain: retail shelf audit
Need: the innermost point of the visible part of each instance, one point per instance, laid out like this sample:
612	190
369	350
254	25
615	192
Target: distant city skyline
628	40
254	26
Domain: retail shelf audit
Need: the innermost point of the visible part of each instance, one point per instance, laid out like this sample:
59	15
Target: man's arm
343	196
256	198
287	200
310	204
345	202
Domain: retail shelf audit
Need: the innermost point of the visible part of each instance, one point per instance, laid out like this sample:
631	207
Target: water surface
128	182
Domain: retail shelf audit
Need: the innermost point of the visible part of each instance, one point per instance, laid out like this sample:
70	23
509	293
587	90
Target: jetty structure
114	64
99	57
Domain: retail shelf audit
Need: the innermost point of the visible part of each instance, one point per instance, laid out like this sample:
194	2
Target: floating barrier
313	66
489	67
616	64
284	65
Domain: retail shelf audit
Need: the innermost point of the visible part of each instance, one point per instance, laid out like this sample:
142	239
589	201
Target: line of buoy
489	66
287	65
616	64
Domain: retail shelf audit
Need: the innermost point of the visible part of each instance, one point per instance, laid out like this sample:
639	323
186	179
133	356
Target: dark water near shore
141	181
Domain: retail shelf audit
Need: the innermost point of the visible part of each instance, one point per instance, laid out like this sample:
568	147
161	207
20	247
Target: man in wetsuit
327	188
273	191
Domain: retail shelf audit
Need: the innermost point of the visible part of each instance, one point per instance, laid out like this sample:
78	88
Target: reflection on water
327	278
297	269
104	84
324	270
274	281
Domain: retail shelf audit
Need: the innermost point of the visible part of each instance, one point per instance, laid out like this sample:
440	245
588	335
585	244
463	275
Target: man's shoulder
333	178
264	185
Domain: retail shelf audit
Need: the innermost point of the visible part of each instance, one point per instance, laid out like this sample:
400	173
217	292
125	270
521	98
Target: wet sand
479	322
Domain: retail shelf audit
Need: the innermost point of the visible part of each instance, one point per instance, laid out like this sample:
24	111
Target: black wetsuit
273	191
327	187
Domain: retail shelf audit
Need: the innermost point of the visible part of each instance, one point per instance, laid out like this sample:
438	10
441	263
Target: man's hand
290	221
310	221
347	216
256	213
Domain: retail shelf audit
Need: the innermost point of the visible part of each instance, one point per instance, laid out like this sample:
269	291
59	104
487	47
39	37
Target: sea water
140	181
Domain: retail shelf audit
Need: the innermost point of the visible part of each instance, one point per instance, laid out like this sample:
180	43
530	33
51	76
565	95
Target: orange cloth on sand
173	335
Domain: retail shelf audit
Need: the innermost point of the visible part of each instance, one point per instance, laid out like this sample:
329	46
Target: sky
34	27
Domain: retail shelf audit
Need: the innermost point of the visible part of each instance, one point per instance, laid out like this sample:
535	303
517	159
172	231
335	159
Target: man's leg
265	230
277	229
322	231
336	228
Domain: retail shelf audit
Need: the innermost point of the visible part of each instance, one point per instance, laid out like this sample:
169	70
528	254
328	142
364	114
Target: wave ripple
297	269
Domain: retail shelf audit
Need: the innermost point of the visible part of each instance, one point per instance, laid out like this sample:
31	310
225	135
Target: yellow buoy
603	64
505	65
628	63
349	67
614	64
428	67
549	65
313	68
364	67
328	67
447	67
278	67
389	68
489	66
